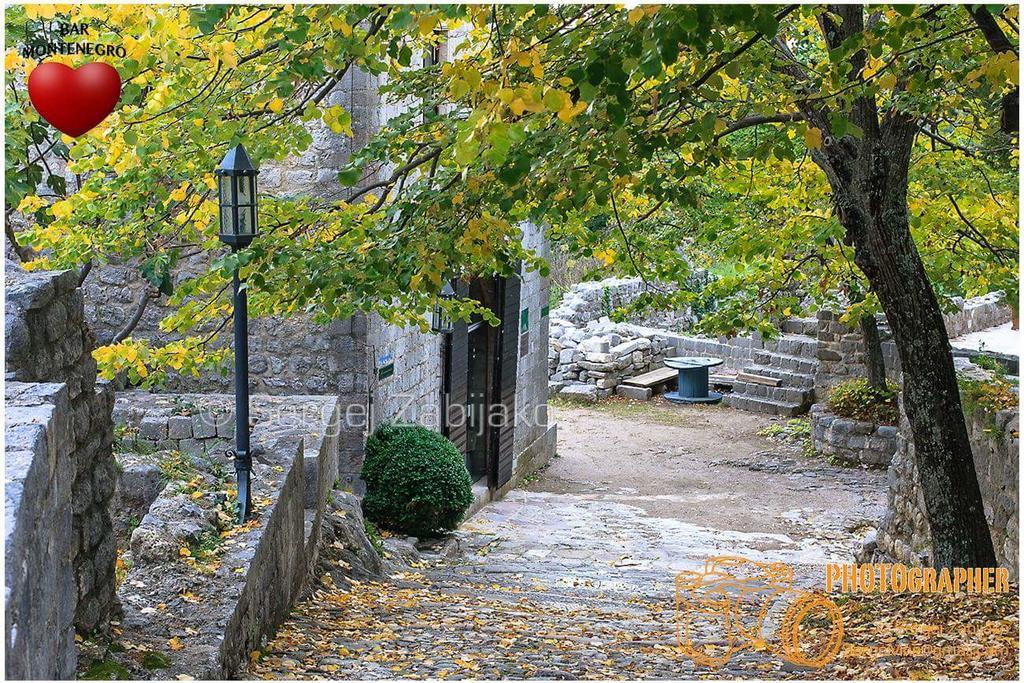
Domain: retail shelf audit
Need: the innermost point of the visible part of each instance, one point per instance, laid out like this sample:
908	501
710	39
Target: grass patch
126	440
155	660
106	670
373	533
796	432
858	400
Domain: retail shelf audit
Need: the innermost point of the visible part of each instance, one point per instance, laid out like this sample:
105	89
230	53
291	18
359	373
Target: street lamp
236	182
440	321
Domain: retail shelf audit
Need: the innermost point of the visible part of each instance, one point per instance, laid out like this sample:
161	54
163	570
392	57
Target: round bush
416	481
856	399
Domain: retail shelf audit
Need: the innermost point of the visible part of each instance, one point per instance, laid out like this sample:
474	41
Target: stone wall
587	301
265	566
286	356
978	313
405	376
851	441
204	424
47	341
904	535
39	577
841	352
603	354
841	347
530	440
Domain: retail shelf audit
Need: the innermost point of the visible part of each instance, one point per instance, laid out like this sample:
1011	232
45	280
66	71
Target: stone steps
791	395
799	345
783	361
803	326
789	379
792	359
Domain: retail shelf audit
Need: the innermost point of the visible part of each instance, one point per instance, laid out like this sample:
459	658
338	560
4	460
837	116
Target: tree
141	190
607	124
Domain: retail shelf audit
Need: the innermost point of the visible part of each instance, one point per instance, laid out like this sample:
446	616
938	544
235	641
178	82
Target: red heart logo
74	101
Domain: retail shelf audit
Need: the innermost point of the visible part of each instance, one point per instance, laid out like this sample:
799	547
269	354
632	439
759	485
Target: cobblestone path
571	583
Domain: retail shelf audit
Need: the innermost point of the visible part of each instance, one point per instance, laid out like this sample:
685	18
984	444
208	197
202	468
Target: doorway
479	375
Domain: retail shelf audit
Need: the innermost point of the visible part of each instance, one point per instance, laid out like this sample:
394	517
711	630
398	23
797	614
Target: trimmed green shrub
416	481
856	399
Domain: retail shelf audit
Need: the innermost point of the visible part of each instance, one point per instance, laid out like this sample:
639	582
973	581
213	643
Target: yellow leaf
812	138
184	552
196	495
635	15
426	24
276	105
175	644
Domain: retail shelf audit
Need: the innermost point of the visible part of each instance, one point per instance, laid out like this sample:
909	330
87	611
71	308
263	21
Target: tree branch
145	296
757	120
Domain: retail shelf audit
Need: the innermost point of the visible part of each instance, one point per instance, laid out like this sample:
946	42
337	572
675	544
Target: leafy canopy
654	138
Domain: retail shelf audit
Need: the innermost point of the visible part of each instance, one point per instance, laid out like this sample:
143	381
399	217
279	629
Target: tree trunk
873	359
872	207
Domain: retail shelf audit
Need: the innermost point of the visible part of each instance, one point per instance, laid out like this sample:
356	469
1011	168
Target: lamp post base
244	508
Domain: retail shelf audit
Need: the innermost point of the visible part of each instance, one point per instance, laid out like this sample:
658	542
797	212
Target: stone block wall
404	375
532	366
587	301
603	354
852	441
977	313
905	536
39	578
286	356
841	348
841	352
47	341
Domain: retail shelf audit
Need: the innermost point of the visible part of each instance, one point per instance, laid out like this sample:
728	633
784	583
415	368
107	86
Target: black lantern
236	184
441	322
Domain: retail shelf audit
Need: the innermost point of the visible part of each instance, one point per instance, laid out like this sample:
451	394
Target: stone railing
47	344
978	313
851	441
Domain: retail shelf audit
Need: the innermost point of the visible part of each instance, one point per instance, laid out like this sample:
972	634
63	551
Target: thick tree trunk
869	179
886	253
874	361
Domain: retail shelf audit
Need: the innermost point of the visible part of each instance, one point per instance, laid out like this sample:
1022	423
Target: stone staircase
791	359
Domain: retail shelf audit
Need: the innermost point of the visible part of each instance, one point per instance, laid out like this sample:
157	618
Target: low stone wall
46	341
265	566
852	441
588	301
595	359
841	347
904	534
204	424
978	313
39	579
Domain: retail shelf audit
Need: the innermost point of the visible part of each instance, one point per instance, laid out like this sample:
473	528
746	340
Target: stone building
381	372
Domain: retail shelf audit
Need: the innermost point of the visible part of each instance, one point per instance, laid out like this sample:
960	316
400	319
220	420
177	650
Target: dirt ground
707	465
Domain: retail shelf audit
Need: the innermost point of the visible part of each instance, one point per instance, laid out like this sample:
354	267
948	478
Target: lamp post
236	183
441	322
